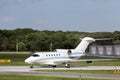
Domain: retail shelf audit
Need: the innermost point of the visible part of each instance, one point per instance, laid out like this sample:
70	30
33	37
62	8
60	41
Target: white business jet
62	56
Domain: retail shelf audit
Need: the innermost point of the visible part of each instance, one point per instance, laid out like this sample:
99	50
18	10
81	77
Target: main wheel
67	65
31	66
54	66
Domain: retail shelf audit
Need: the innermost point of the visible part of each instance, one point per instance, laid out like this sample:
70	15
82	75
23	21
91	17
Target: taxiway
25	70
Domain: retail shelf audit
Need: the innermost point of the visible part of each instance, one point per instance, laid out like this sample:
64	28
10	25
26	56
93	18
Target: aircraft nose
28	61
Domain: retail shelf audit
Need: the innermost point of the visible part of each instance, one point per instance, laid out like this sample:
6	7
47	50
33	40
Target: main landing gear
53	66
31	66
67	65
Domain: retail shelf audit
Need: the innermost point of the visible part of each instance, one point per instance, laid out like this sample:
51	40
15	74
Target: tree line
27	39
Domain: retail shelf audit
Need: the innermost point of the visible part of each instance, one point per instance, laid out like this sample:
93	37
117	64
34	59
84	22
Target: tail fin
84	44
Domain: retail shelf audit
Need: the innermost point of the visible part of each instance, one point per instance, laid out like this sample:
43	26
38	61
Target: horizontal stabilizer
103	39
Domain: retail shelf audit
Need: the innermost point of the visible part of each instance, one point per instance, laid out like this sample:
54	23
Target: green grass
82	71
14	57
27	77
18	60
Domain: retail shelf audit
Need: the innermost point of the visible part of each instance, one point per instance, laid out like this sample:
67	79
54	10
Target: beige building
107	50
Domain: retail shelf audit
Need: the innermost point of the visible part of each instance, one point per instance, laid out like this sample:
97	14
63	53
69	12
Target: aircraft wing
81	60
84	60
62	60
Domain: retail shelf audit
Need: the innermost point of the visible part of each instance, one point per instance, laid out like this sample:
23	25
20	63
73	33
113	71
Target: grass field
18	60
27	77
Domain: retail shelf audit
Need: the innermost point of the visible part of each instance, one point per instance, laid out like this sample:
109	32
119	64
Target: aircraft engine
69	52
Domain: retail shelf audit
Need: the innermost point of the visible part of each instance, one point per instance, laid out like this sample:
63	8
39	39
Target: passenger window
56	54
35	55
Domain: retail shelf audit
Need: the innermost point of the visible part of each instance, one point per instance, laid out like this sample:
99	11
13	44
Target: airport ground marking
5	60
117	71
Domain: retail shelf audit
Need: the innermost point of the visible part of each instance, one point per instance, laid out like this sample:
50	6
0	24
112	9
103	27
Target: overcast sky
65	15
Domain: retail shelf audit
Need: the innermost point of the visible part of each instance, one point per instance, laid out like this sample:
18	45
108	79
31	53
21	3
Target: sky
65	15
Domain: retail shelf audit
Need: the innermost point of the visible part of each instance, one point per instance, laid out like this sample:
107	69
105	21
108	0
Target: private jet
62	56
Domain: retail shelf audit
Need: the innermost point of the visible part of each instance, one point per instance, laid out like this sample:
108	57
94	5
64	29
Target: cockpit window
35	55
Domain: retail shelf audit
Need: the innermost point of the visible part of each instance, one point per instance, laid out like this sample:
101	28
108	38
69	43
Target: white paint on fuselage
74	53
50	58
46	57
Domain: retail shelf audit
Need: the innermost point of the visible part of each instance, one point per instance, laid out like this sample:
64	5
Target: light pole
16	45
51	46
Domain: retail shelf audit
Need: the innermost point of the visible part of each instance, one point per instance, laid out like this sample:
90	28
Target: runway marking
117	71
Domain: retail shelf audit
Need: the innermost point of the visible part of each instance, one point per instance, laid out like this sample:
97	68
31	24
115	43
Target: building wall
108	50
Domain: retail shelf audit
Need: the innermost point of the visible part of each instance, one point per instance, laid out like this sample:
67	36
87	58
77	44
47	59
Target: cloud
7	19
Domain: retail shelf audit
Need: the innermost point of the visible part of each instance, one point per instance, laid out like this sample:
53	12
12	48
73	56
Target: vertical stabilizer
84	44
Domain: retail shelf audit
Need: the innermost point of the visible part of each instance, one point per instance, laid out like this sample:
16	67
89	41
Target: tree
5	44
